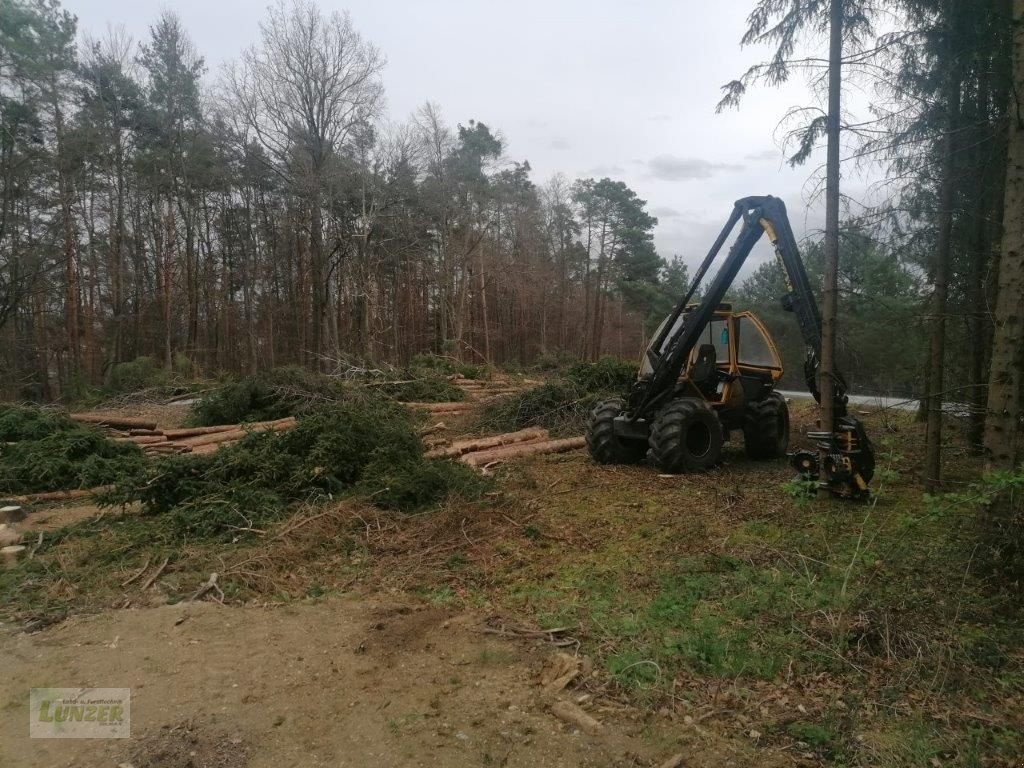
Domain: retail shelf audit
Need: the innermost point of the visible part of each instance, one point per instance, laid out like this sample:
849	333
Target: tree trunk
830	293
168	296
318	286
940	278
1002	421
70	260
978	327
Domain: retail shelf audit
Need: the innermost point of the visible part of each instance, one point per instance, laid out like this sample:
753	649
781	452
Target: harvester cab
735	361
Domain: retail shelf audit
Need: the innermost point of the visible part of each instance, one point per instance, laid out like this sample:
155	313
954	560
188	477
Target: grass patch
872	627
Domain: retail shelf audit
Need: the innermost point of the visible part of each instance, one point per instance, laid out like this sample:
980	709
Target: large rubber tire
766	428
604	445
686	436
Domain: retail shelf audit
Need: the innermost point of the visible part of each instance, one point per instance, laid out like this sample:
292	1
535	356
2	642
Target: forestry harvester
710	371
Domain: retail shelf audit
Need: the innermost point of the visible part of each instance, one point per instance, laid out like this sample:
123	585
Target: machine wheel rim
698	439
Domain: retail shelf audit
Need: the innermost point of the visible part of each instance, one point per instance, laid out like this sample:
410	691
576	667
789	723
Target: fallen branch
138	573
483	458
210	585
118	422
156	574
77	493
291	527
39	543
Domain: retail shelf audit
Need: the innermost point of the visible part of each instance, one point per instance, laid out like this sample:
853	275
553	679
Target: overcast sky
581	87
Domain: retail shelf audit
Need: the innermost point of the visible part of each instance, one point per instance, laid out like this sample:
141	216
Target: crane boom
760	215
844	457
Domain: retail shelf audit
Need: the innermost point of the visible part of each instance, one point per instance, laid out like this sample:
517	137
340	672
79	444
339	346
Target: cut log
78	493
165	449
149	440
572	714
143	432
175	434
118	422
204	450
218	437
482	443
239	432
441	407
481	458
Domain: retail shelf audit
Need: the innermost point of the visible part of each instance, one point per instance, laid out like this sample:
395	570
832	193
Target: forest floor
713	616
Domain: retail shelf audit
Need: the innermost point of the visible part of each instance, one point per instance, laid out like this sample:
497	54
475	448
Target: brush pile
370	448
563	404
44	450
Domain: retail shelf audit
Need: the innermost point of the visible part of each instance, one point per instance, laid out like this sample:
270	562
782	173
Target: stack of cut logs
485	452
477	391
161	442
486	390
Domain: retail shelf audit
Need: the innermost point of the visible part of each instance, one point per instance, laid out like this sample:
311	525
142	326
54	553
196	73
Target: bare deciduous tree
302	90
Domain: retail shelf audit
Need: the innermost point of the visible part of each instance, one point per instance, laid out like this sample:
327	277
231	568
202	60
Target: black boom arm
764	214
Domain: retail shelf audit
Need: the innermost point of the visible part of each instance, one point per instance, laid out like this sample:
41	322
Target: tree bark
68	227
1003	411
940	279
830	292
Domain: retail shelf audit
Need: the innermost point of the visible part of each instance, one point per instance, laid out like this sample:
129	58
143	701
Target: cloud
559	144
660	118
606	170
665	212
672	168
765	154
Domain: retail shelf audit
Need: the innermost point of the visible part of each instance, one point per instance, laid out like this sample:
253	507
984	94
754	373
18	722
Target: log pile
198	440
494	456
462	447
485	452
478	391
486	390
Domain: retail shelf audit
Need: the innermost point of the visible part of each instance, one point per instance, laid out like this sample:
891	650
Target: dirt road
335	683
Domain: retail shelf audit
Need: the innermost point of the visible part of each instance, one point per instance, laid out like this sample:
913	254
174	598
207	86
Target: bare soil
342	682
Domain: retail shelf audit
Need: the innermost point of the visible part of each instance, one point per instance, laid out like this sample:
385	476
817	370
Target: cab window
753	349
716	334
